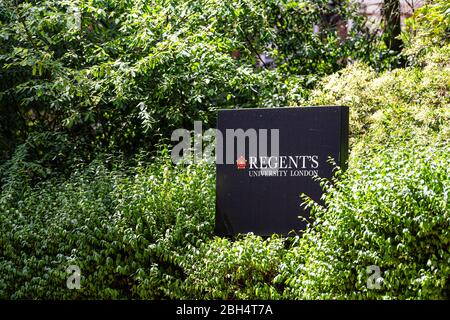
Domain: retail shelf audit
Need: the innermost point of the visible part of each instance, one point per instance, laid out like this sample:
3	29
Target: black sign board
268	157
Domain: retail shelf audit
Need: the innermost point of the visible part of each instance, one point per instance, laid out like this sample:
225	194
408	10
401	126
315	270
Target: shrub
49	228
241	269
409	103
162	212
392	211
429	30
125	231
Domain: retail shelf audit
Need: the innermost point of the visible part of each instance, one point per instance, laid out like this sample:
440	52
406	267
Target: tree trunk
391	13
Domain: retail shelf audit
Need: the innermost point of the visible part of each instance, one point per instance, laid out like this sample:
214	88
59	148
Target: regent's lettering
284	162
280	166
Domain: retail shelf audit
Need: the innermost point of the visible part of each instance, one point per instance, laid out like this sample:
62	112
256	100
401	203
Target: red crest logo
241	163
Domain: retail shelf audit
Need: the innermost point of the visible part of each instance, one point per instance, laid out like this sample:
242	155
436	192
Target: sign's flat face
258	189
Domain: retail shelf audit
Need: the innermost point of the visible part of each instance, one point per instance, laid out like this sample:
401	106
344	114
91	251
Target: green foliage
391	208
126	232
430	30
130	72
163	212
121	74
41	156
392	211
243	269
410	103
48	228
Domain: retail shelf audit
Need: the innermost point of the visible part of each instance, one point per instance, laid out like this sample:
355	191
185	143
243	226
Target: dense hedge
148	234
391	211
126	232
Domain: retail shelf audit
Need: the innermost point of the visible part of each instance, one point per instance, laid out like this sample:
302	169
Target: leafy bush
125	232
241	269
410	103
430	30
391	208
46	230
40	157
162	212
391	211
